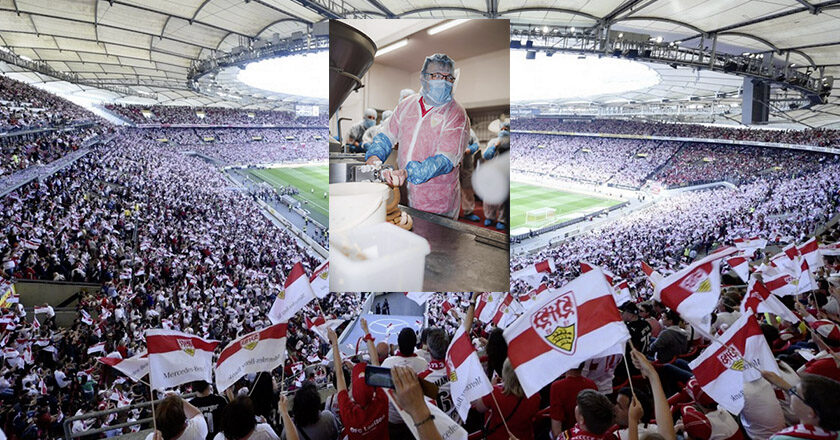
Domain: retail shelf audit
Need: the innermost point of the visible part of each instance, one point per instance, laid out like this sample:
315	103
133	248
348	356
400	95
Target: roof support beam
622	8
90	40
191	20
275	8
664	20
443	8
558	10
810	7
378	5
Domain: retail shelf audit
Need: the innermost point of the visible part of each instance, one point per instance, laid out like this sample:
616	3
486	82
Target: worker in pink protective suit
432	130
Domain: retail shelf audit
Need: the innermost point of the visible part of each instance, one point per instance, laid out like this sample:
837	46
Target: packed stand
172	248
813	137
24	107
166	114
22	152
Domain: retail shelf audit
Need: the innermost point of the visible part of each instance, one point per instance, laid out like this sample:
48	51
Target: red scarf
808	432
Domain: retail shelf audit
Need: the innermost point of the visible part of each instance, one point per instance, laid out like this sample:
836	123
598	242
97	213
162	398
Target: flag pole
627	368
255	383
154	419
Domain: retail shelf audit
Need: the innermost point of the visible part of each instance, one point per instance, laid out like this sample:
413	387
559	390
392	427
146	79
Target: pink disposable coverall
424	131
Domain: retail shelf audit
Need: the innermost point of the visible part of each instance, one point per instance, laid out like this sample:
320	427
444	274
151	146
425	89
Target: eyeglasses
445	76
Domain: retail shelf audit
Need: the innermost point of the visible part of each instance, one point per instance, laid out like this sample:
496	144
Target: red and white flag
176	358
487	305
86	317
565	327
759	300
509	309
419	297
96	348
134	367
782	283
33	243
832	249
466	376
446	306
43	310
534	273
42	387
621	292
526	298
320	325
586	267
653	276
320	280
693	292
750	245
810	252
296	293
741	266
262	350
737	357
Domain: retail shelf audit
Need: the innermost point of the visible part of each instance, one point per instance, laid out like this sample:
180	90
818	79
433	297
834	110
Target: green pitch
305	179
525	197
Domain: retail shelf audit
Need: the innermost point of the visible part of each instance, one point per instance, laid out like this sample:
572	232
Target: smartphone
378	377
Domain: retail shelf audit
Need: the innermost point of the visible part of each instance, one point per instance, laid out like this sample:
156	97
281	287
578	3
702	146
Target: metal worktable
463	258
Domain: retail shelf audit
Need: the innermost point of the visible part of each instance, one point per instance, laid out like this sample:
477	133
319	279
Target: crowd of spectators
20	152
170	245
170	114
813	137
24	107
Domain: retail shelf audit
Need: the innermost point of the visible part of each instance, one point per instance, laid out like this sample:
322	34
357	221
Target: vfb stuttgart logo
250	342
557	322
187	346
697	281
731	358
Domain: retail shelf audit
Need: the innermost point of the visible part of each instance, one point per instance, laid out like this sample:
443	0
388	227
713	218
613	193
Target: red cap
696	424
362	392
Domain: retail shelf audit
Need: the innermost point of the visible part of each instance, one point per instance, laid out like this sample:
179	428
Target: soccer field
525	197
305	179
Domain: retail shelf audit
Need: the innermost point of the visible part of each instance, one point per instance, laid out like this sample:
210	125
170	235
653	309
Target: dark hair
406	340
771	334
200	386
644	399
673	316
306	407
438	342
820	393
170	417
239	418
597	411
496	351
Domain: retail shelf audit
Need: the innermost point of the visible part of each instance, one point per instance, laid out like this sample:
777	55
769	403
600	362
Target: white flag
693	292
419	297
446	427
466	376
296	293
176	358
741	267
488	304
533	274
134	367
563	328
262	350
320	280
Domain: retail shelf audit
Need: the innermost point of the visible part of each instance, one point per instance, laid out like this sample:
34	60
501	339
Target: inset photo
419	163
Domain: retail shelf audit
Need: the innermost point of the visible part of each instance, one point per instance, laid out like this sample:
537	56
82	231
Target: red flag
760	300
467	379
693	292
296	293
741	266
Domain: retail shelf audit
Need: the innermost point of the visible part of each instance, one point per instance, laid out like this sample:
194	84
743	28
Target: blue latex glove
379	147
420	172
366	145
490	152
473	148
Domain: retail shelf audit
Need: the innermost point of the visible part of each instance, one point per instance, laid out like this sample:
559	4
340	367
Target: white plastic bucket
354	204
377	258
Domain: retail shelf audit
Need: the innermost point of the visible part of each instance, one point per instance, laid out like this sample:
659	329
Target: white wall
484	81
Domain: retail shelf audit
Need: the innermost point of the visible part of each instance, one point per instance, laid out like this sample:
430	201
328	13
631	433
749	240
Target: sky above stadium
302	75
565	76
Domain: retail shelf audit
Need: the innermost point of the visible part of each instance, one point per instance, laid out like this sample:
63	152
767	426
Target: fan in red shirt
518	411
366	415
563	394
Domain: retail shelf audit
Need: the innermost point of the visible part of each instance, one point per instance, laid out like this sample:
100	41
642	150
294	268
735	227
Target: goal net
541	216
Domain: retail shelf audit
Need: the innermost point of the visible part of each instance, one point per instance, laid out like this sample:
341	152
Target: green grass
525	197
305	179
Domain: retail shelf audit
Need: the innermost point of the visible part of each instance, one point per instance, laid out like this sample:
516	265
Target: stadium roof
121	41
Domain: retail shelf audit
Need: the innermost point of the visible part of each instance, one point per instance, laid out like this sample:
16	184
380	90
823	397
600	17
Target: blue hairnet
441	59
370	112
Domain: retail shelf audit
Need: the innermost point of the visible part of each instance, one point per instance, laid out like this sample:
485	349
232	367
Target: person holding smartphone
365	416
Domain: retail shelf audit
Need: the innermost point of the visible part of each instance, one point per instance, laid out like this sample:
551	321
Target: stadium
164	252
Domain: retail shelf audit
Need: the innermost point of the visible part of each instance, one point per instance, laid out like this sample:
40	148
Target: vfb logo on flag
732	359
452	376
697	281
187	346
556	322
250	342
324	275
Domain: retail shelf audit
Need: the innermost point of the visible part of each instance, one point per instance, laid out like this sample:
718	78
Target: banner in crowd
467	379
750	245
320	325
737	357
134	367
693	292
563	328
759	300
653	276
810	252
320	280
176	358
8	296
741	266
419	297
488	304
533	274
296	293
262	350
